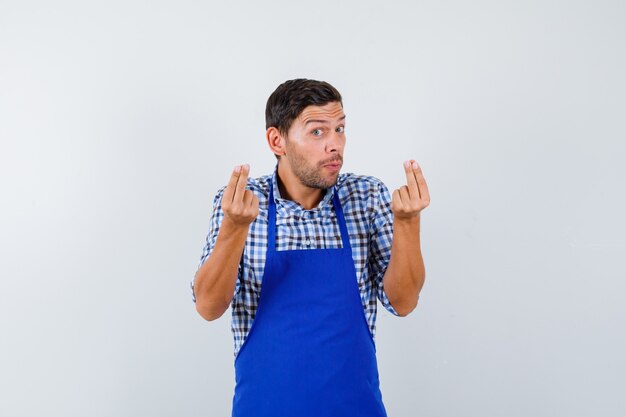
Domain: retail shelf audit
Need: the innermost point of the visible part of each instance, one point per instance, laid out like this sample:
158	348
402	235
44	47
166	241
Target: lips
333	166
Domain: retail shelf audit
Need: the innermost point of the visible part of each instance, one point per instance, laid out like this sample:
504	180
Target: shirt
366	203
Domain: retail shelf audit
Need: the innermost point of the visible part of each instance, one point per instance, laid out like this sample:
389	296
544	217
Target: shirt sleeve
381	236
214	227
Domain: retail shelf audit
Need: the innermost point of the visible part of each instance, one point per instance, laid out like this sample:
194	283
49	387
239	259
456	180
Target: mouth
334	166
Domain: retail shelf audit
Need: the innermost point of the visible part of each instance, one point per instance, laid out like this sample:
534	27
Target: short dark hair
291	97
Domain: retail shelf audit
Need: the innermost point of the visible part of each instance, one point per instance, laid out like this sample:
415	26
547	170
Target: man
302	254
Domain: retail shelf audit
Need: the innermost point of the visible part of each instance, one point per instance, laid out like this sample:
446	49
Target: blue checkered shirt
367	208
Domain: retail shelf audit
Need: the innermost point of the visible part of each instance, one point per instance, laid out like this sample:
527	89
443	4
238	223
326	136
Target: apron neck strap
271	220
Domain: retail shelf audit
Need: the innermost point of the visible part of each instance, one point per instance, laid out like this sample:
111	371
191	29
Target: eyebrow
321	121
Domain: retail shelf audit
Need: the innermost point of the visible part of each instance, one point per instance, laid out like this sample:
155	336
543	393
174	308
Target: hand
410	199
240	206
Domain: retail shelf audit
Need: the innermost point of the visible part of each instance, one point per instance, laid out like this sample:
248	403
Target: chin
333	180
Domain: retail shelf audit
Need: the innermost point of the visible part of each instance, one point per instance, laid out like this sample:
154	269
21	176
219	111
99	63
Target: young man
302	255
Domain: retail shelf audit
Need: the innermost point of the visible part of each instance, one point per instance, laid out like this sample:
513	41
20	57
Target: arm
215	280
405	274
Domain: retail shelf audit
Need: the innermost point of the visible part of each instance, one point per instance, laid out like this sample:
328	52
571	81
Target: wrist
412	222
229	227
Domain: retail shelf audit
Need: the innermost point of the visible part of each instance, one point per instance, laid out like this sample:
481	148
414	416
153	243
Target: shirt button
307	242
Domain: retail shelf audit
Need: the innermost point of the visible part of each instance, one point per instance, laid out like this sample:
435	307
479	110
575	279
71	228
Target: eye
341	129
317	130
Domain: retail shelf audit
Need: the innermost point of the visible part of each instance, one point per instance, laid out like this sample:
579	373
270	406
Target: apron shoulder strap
271	220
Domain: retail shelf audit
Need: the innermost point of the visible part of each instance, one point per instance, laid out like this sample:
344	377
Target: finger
241	183
255	203
421	182
229	192
404	195
411	182
396	201
247	198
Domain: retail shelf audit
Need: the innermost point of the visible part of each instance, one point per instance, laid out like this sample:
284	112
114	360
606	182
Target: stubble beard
310	176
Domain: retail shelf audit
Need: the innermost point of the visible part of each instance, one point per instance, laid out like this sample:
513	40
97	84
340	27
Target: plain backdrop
119	120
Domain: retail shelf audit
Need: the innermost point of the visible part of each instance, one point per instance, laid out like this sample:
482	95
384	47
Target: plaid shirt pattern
366	203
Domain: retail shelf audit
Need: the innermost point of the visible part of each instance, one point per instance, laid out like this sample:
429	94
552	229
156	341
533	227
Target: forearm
405	274
216	279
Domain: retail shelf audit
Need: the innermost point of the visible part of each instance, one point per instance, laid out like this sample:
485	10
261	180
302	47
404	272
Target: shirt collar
326	200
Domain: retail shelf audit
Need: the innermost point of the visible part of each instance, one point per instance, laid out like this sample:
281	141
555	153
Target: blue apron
309	351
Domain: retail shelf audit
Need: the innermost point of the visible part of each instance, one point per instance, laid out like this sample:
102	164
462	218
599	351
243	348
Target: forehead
330	111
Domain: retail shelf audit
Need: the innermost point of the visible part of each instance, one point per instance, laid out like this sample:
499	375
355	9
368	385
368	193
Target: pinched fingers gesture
240	206
409	200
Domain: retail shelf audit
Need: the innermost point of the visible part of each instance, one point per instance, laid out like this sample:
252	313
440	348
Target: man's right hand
240	206
215	281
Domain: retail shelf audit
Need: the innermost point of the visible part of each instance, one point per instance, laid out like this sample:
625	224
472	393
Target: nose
335	142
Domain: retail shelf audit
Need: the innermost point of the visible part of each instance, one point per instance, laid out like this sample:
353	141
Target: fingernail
406	164
415	166
247	167
238	168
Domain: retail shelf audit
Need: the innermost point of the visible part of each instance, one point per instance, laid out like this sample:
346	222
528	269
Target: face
314	145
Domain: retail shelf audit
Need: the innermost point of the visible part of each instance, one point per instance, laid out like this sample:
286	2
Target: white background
119	120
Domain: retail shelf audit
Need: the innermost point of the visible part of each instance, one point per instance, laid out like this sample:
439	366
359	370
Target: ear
275	141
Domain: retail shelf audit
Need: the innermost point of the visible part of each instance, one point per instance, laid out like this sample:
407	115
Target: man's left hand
409	200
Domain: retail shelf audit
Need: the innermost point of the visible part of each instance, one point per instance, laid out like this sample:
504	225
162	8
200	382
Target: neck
291	188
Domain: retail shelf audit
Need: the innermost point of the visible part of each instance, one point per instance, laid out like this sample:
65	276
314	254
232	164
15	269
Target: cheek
313	146
341	143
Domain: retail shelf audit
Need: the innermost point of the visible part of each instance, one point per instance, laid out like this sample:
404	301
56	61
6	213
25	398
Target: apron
309	351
